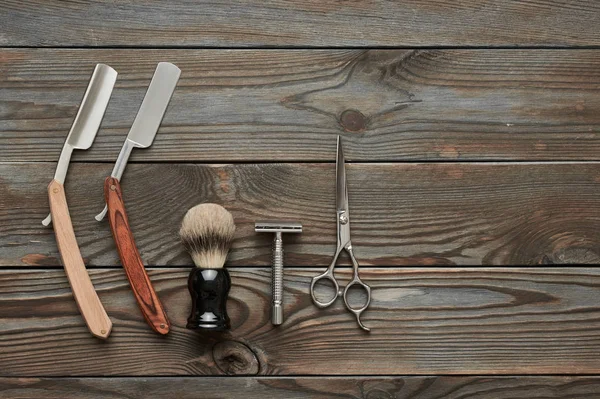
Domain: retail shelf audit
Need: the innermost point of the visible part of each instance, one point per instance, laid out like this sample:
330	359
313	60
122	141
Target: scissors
343	242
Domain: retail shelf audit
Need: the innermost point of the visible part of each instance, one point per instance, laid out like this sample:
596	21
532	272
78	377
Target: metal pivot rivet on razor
81	137
141	135
343	243
278	228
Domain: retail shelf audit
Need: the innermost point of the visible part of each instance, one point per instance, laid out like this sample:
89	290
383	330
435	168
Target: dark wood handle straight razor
145	295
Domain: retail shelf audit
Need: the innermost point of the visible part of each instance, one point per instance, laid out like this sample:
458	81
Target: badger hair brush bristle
206	232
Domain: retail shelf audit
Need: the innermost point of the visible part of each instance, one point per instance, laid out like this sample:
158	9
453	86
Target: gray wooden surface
472	134
303	387
307	23
403	214
424	321
289	105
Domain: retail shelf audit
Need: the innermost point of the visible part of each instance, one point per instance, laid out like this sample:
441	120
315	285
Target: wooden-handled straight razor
81	137
142	288
141	135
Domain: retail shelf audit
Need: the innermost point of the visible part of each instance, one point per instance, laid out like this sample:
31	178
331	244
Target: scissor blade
340	172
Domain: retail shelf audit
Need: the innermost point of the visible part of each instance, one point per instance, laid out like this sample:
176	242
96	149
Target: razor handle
85	295
209	289
141	286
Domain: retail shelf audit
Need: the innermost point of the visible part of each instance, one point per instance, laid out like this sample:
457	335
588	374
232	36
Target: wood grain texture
272	105
402	214
85	295
133	265
299	23
475	387
424	321
438	88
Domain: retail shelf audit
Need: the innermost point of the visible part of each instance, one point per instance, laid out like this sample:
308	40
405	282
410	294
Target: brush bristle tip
207	231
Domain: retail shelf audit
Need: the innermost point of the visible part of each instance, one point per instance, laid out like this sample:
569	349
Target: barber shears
343	243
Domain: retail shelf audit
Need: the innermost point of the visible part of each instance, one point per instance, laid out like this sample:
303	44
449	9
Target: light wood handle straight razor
141	286
85	295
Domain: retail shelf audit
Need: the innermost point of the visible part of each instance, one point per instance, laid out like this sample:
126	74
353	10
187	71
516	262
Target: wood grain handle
143	290
85	295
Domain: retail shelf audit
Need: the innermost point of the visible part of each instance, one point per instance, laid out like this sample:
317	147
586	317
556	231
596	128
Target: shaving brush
207	232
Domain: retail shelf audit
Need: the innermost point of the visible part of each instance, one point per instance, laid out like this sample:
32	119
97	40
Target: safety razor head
277	226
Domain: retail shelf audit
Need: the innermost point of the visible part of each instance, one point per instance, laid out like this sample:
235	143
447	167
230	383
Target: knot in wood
570	256
235	358
353	121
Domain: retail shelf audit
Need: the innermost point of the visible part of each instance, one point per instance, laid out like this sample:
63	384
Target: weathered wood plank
290	105
298	23
402	214
424	321
302	387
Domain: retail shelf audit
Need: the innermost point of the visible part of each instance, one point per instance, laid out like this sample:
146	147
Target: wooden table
472	134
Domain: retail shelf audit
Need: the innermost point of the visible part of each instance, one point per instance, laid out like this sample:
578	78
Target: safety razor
277	227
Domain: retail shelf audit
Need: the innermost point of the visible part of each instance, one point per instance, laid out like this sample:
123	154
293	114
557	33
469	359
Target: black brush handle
209	289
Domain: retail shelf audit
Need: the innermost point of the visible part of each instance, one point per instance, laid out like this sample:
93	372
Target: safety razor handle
85	295
142	288
277	281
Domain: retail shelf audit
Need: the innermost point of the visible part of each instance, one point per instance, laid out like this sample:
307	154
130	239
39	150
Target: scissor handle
356	281
357	312
329	276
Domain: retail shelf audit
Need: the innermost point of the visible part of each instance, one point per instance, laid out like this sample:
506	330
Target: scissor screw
343	219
